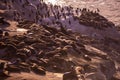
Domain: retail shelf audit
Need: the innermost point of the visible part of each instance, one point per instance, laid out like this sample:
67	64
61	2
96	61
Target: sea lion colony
41	13
44	48
94	19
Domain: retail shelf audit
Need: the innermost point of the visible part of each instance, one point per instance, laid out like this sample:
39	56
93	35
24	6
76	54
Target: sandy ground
32	76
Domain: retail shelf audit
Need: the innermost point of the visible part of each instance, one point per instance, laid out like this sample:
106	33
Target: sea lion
1	31
3	22
38	69
2	65
86	57
3	72
11	49
2	45
13	68
6	34
69	76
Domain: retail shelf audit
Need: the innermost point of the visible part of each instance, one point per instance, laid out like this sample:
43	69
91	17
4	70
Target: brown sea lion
13	68
6	34
38	70
86	57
